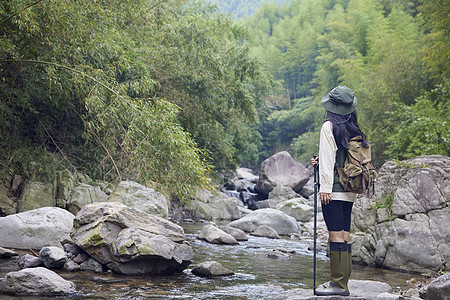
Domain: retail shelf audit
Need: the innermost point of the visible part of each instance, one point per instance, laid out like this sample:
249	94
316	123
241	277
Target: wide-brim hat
339	100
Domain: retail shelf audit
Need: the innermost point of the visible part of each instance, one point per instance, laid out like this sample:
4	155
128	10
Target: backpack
358	173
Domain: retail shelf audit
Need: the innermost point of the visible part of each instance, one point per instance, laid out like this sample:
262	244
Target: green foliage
437	45
241	8
422	128
387	204
380	49
409	165
214	81
129	89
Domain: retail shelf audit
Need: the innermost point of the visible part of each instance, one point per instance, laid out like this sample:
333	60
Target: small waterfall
247	197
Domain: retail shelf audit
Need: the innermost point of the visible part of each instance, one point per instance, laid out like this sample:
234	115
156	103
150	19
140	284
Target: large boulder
130	241
246	174
237	233
66	182
84	194
46	226
135	195
214	206
266	231
214	235
36	281
37	194
281	222
211	269
276	196
406	225
281	169
297	208
439	289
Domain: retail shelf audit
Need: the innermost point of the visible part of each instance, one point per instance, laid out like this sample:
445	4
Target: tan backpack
358	173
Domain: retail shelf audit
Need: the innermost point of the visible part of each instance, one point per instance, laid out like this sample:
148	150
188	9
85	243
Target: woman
340	126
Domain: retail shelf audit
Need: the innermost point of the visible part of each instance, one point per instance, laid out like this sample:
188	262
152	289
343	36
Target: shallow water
256	275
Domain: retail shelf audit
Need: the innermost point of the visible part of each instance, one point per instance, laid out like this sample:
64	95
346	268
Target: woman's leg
336	216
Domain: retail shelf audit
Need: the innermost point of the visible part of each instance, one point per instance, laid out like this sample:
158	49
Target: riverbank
256	275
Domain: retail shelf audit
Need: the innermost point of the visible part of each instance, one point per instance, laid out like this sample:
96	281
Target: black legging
337	215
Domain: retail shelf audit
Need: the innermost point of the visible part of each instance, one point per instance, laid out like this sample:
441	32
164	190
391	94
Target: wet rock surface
129	241
36	281
211	269
47	226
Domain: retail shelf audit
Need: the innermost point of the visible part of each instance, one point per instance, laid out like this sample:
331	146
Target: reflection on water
256	275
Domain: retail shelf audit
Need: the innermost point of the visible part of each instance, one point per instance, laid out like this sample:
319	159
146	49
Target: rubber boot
339	271
349	250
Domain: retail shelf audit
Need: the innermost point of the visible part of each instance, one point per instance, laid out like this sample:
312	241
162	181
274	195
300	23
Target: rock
282	223
91	265
284	250
71	266
406	225
214	235
72	250
65	184
389	296
36	194
247	174
84	194
53	257
81	258
47	226
244	211
319	246
29	261
140	197
277	195
36	281
439	289
130	241
359	290
217	206
278	255
6	253
297	209
307	229
238	234
211	269
7	205
412	293
266	231
16	183
281	169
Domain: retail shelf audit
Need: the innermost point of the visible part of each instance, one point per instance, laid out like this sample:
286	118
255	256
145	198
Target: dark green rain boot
349	250
339	271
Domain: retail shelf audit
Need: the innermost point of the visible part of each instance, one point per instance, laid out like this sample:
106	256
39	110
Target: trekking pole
315	221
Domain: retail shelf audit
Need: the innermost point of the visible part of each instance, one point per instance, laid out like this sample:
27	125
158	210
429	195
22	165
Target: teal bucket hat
339	100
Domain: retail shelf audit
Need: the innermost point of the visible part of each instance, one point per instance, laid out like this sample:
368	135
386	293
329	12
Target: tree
115	87
422	128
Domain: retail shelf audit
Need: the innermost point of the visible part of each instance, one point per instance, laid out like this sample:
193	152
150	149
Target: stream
256	275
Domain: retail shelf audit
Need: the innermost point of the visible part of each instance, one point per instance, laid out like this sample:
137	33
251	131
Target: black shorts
337	215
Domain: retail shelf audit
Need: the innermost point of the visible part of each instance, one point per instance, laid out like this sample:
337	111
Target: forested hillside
392	54
156	91
169	92
241	8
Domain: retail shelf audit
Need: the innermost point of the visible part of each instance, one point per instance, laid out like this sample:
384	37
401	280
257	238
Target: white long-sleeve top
327	160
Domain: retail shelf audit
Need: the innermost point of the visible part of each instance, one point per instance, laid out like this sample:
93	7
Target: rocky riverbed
127	242
257	275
